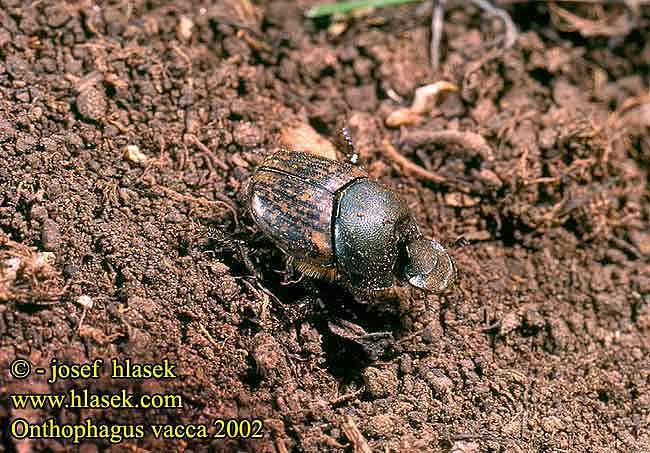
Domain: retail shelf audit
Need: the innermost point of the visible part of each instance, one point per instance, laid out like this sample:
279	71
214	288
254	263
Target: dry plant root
410	167
352	432
27	276
466	140
508	39
620	25
635	110
425	98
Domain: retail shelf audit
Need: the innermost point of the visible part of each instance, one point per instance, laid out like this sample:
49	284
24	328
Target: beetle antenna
351	151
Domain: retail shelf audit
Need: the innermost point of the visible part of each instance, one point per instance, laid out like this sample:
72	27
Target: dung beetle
337	223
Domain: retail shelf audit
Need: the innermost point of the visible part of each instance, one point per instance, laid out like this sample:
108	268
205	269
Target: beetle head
428	266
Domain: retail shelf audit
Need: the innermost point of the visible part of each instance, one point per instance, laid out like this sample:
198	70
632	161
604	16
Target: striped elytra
292	200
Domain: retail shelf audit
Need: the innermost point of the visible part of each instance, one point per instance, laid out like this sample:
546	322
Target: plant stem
346	7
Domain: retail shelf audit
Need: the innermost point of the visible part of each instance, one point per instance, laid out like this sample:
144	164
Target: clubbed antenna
350	150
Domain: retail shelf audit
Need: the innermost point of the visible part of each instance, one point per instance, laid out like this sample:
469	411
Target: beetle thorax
370	227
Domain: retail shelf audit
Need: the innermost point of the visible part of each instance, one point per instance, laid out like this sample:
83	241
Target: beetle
336	223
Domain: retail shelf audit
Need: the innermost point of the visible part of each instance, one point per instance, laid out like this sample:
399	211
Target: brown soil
128	131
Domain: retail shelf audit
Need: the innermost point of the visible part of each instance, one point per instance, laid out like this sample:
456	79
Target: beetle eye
428	265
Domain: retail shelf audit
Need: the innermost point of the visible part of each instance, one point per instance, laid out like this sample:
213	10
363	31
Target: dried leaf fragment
302	137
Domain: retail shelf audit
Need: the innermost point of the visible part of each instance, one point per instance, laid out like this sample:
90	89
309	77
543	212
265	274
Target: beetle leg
374	344
457	243
350	150
460	242
319	272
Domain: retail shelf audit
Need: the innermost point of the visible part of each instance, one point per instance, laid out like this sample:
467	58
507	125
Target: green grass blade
346	7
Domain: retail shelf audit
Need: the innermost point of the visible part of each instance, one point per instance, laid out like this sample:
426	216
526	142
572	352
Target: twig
207	151
352	432
200	200
188	62
511	30
210	338
282	448
409	166
509	38
615	118
346	397
619	27
629	248
436	32
464	139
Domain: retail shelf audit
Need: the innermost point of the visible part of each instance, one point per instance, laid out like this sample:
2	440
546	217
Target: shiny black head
427	265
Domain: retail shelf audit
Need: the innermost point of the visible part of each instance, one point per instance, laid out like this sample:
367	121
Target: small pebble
302	137
462	446
10	268
133	153
380	382
403	117
38	213
26	143
69	270
509	323
44	258
489	177
7	130
57	15
427	95
50	235
439	382
85	301
91	104
146	307
184	29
